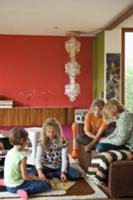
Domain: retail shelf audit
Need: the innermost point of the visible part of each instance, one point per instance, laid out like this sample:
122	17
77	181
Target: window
127	70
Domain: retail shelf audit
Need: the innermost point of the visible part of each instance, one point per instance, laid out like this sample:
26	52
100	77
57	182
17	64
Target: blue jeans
72	173
31	186
100	147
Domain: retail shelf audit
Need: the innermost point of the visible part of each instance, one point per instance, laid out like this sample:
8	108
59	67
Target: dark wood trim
121	18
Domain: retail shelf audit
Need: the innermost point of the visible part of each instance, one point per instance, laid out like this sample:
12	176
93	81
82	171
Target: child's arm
87	126
97	137
1	146
25	174
89	134
64	165
38	163
40	173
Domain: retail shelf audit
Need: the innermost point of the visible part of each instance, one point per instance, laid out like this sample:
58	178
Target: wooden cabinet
38	115
32	116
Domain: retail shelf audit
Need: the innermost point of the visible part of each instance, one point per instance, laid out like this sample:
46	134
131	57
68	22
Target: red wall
35	64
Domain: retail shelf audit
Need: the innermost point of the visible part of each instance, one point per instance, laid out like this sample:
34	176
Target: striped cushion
98	169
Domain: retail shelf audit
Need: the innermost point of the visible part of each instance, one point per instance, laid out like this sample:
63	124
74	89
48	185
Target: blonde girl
52	159
16	177
122	137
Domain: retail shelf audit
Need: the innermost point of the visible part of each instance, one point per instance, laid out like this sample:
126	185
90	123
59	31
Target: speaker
80	115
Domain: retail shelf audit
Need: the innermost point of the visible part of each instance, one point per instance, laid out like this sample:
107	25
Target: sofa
120	174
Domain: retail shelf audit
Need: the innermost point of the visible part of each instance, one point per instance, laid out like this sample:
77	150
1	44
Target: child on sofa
94	125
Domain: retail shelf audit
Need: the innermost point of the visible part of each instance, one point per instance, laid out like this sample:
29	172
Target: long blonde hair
97	102
111	109
44	140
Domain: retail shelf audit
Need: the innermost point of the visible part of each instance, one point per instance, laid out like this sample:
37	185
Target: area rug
84	189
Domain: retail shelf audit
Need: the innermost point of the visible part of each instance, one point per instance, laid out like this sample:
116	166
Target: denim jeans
32	186
100	147
72	173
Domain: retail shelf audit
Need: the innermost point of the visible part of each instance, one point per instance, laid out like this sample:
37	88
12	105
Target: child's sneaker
2	182
23	194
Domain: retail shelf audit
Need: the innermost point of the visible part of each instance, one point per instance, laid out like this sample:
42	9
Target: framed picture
113	76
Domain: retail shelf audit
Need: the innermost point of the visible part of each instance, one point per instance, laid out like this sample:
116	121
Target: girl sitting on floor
51	158
16	177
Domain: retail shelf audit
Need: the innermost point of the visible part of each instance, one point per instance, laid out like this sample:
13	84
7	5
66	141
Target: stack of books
6	103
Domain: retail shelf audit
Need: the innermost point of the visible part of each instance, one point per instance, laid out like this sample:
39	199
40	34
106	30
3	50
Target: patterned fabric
53	157
123	134
98	170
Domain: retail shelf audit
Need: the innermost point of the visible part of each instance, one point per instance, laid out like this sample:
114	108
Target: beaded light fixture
72	68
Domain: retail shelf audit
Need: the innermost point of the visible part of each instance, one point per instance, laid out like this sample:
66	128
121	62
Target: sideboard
32	116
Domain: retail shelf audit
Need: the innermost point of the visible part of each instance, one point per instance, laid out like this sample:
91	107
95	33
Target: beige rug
59	194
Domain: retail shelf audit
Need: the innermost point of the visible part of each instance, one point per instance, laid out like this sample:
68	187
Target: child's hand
1	146
101	139
42	177
88	147
63	177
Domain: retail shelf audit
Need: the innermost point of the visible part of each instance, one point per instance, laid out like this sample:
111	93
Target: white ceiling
57	17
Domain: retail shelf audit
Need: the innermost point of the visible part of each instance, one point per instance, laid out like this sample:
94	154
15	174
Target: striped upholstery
98	169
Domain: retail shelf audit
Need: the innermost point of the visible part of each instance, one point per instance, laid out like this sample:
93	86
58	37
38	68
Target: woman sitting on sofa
122	137
94	125
117	146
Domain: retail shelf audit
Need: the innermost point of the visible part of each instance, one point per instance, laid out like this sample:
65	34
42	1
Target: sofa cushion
120	182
